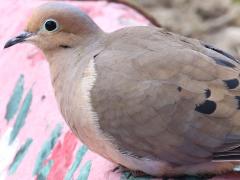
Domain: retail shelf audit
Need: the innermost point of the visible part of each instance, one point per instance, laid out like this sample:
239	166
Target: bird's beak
18	39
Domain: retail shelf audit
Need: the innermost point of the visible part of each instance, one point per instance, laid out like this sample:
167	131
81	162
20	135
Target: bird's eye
51	25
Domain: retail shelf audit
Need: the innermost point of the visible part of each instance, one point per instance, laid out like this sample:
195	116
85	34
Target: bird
147	99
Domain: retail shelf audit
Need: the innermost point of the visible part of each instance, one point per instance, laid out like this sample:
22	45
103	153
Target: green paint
19	156
20	120
15	99
79	156
84	172
125	176
43	173
47	148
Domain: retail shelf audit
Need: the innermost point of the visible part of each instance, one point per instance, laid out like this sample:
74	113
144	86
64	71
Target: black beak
20	38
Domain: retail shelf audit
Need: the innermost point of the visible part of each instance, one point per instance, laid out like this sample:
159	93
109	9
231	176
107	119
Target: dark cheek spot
207	107
231	83
65	46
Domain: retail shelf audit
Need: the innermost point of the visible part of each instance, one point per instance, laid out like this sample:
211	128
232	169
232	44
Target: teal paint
43	173
20	120
79	156
46	149
125	176
15	99
19	156
84	172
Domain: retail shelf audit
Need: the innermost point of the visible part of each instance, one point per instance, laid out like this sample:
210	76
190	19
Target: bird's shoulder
155	53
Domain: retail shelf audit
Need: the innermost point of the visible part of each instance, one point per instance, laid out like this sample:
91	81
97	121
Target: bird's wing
159	95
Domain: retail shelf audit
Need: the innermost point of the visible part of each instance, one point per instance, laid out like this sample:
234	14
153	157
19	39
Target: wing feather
156	105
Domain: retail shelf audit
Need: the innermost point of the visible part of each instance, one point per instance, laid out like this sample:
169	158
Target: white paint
3	175
7	152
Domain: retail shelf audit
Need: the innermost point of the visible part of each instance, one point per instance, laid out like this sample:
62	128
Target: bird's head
57	25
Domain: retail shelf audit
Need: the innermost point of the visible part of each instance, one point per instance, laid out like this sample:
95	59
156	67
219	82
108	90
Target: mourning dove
146	99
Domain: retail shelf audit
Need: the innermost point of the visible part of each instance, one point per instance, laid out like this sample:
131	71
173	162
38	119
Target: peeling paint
84	172
43	173
20	120
19	156
15	99
79	156
7	152
47	148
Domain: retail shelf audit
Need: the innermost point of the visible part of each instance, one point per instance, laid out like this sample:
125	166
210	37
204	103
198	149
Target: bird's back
162	96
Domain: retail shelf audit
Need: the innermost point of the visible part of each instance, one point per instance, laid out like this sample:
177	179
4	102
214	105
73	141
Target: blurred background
214	21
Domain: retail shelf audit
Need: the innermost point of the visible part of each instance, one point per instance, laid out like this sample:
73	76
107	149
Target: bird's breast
74	98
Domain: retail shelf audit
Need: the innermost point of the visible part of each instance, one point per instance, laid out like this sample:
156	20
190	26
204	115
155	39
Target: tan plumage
142	97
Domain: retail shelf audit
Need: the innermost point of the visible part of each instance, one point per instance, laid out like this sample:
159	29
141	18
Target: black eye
50	25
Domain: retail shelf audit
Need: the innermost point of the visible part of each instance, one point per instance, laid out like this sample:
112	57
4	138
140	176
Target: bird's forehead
63	13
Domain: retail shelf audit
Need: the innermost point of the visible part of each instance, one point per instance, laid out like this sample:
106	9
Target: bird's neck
67	67
62	60
61	64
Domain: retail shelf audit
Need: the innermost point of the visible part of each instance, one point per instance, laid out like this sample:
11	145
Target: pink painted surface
44	115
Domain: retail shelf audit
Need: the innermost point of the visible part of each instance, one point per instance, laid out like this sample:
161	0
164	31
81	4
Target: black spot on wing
220	52
231	83
207	93
96	55
226	156
179	88
207	107
224	63
238	99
